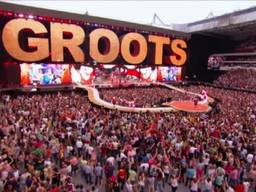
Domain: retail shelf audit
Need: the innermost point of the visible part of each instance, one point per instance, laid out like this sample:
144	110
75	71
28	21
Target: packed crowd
240	58
48	140
238	78
233	62
247	45
142	97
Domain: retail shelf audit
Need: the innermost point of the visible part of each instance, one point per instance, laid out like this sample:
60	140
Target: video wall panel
58	74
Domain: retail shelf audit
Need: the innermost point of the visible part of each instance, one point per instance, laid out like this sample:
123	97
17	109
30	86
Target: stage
188	106
174	106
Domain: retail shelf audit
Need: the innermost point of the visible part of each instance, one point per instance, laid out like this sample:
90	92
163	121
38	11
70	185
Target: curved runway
93	95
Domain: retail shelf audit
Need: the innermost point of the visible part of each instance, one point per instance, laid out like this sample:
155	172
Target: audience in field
50	140
142	97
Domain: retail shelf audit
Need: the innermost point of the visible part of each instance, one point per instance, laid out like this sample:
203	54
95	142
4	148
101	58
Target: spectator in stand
238	78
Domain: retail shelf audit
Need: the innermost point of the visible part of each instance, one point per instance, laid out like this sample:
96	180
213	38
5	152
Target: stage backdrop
50	50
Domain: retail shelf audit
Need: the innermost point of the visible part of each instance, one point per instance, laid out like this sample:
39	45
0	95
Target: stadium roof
92	19
237	25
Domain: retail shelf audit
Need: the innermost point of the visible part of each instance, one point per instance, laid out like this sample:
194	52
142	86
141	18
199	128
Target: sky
142	12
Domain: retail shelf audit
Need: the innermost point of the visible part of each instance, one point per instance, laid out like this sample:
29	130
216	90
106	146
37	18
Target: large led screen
48	74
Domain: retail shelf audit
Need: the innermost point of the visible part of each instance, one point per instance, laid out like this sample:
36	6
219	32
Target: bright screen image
169	73
83	75
148	74
107	74
45	74
129	74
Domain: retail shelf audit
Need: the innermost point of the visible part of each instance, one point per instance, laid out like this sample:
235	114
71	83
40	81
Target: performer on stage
204	97
195	99
113	100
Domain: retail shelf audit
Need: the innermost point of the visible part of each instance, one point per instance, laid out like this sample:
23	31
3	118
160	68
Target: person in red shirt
114	100
195	101
55	189
121	177
239	187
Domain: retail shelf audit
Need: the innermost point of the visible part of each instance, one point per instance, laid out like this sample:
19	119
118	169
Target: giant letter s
176	47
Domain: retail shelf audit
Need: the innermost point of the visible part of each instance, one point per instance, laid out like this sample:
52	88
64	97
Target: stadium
97	104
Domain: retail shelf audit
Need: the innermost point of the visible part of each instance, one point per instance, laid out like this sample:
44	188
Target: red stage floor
188	106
